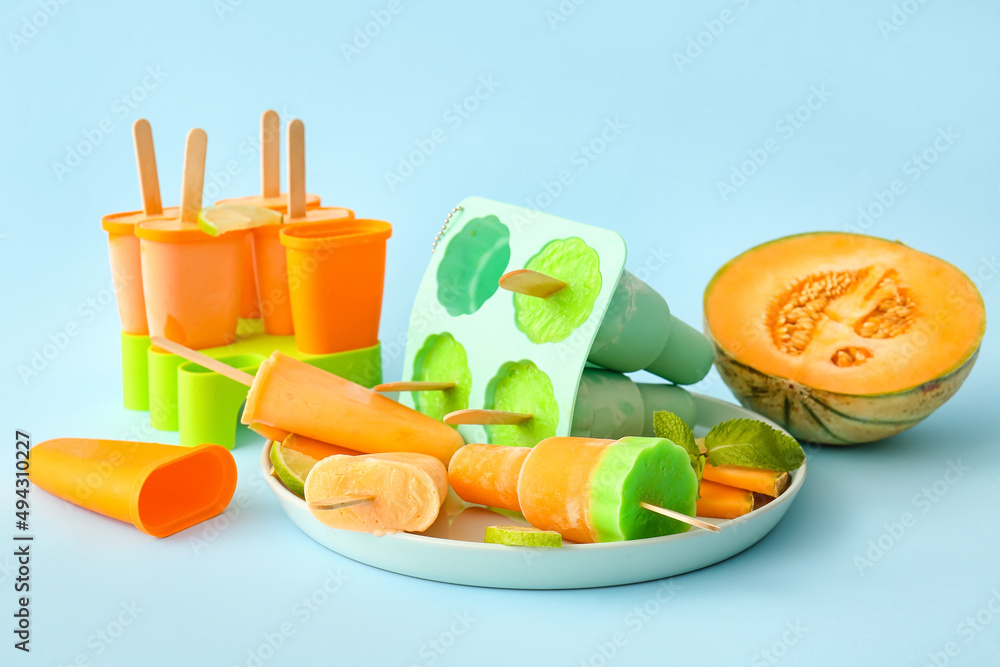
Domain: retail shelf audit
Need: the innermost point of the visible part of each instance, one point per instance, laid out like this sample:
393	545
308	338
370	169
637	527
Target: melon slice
843	338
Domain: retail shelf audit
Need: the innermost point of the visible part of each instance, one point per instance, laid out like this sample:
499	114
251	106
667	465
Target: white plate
453	559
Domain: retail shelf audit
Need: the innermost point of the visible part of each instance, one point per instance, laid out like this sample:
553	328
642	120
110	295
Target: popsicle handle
194	174
683	518
270	155
337	503
202	360
296	169
413	386
486	417
531	283
145	159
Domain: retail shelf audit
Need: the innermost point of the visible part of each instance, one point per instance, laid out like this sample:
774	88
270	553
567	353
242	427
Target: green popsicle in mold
473	263
521	388
442	359
567	280
637	332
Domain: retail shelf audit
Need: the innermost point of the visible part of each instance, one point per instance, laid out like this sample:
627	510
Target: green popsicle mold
520	386
635	470
553	319
135	372
472	265
687	356
205	398
608	405
442	359
634	329
669	397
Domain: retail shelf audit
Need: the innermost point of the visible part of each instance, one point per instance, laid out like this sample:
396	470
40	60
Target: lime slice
216	220
522	536
291	467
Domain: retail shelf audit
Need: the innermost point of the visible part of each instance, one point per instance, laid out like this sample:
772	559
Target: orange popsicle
294	396
404	491
487	474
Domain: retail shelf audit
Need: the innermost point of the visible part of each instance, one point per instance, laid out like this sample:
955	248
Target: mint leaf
754	444
670	426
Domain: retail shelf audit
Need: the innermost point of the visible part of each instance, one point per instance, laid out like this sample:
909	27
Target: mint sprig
753	444
670	426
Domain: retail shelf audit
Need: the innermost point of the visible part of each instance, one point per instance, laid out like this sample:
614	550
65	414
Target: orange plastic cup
336	273
192	282
126	272
250	304
271	269
160	489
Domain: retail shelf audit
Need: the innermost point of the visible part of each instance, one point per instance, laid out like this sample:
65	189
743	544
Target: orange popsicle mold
336	273
126	268
160	489
191	282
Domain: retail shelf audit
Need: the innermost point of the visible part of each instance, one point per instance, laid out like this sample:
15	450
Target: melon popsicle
590	490
290	396
294	396
487	474
389	492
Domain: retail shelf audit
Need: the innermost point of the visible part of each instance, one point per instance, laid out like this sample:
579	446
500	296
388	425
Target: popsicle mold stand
308	284
535	317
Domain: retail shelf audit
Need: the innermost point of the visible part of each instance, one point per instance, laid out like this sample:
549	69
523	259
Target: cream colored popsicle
377	493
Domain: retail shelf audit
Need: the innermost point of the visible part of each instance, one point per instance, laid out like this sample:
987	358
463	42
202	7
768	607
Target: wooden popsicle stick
414	385
202	360
296	169
270	154
337	503
145	159
683	518
194	174
486	417
531	283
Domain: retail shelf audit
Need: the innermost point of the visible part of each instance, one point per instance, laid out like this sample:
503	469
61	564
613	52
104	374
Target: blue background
210	595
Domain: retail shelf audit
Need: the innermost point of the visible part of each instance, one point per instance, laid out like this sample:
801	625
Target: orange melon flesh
719	501
407	488
758	480
943	329
488	474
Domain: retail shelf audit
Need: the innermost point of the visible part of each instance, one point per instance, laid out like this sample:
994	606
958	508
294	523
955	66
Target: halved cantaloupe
843	338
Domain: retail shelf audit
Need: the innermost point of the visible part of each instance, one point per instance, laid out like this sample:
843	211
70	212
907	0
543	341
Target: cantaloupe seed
794	315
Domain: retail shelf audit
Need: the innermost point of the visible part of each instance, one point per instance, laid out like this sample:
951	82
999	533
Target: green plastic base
204	406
